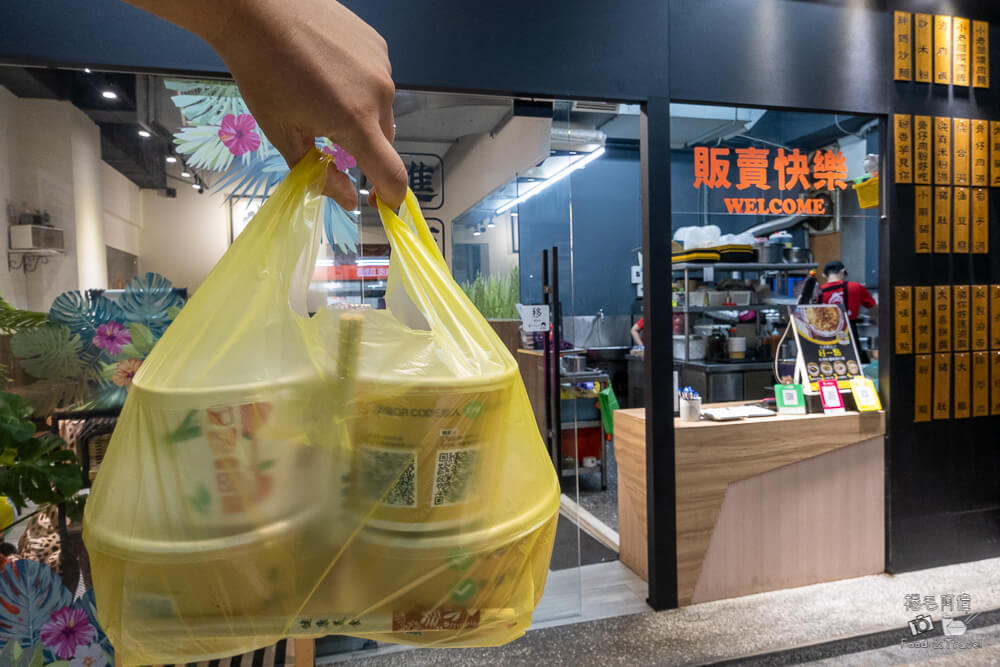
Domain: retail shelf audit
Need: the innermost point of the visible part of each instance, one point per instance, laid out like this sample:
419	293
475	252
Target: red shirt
857	296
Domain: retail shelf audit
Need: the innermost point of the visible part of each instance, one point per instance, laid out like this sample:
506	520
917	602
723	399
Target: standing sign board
825	345
534	318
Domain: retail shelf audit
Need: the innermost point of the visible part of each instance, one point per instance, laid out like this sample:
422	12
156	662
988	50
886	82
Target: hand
306	69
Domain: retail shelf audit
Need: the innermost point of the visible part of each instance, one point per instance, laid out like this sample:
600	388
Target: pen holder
690	409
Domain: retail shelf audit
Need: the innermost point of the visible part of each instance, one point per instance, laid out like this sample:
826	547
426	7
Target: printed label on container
388	475
455	476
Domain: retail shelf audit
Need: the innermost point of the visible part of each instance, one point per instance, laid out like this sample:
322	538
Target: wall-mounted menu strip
980	153
994	152
923	48
960	317
962	364
942	49
995	317
903	134
980	317
960	221
902	45
922	388
942	386
980	221
942	318
922	219
904	320
995	382
923	148
960	52
980	384
960	162
942	219
981	54
922	310
942	150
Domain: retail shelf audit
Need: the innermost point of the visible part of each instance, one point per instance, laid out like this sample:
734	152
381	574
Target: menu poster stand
823	355
829	393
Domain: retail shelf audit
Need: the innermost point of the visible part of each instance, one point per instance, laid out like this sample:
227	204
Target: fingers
382	165
340	188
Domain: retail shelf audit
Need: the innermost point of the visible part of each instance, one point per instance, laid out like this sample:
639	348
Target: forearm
209	19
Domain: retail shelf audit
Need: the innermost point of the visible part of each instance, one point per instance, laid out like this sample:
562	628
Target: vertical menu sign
995	153
942	150
903	126
963	369
923	47
980	384
980	153
922	321
960	48
960	228
922	219
942	49
995	382
922	150
962	150
904	321
922	388
981	54
942	385
942	219
903	69
961	323
995	317
942	318
980	222
980	317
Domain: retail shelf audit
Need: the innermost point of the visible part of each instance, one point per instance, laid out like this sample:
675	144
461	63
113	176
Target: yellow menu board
962	175
922	219
980	221
994	152
901	39
960	221
942	386
995	383
980	317
904	320
922	310
942	49
980	153
942	318
903	132
923	47
961	324
960	52
942	150
995	317
980	384
922	388
942	219
981	54
963	369
922	147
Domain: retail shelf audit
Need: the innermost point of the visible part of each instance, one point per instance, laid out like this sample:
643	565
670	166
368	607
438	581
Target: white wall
122	211
88	199
12	283
183	238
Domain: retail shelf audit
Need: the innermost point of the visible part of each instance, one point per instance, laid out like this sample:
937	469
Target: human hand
306	69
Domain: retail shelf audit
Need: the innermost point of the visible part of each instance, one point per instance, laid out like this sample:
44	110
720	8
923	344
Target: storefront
920	479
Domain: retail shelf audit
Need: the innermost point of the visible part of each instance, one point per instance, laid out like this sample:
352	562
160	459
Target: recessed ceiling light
186	174
171	159
86	70
109	94
196	186
476	233
144	134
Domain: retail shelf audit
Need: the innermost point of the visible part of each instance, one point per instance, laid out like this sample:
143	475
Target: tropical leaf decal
206	102
83	313
30	592
203	148
147	300
51	351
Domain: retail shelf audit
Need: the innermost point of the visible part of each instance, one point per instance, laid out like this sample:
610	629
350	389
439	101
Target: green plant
33	468
495	297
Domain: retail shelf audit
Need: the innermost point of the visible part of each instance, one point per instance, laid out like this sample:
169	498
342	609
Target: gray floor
602	504
752	625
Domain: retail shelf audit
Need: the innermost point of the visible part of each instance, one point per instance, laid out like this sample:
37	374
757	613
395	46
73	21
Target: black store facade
942	478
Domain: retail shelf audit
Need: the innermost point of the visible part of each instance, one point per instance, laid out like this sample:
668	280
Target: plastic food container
737	347
716	298
696	344
740	297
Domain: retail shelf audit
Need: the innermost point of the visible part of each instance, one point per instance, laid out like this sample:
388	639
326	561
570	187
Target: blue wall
606	231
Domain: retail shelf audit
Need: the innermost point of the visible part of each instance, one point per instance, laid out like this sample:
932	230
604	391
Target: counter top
727	366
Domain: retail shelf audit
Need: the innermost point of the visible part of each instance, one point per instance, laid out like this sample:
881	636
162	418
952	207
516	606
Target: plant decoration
221	136
496	297
90	346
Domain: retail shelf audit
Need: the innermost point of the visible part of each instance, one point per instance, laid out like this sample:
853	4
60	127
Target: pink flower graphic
237	133
341	158
125	371
112	337
67	628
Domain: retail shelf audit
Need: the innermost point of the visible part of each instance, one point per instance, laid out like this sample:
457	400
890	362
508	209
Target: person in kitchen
848	294
638	337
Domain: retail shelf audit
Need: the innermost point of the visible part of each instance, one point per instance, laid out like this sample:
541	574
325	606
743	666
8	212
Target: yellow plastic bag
376	473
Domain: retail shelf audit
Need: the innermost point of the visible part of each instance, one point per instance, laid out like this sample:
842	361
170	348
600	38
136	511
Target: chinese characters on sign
961	47
903	133
980	317
922	219
980	54
980	153
922	320
942	318
995	153
942	150
922	48
904	321
902	35
922	388
922	150
960	604
962	374
962	146
960	228
942	219
980	222
961	322
754	167
425	173
980	384
942	49
995	379
942	386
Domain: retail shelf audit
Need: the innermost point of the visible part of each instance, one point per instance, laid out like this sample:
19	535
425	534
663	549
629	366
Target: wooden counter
762	504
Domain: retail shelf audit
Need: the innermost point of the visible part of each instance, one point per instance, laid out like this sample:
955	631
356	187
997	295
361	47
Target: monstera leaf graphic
51	351
30	592
83	313
147	300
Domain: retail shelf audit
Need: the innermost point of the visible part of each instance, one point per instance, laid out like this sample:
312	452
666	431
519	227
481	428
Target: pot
798	255
574	363
773	253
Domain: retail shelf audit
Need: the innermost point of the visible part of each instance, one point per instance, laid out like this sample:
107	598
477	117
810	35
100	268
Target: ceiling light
356	211
491	223
186	174
476	233
86	70
196	186
513	214
364	193
171	159
552	180
109	94
144	134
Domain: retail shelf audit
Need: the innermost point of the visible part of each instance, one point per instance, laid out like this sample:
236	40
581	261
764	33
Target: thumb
382	165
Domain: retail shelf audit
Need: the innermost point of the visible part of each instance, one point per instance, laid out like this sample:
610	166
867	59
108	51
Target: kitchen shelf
714	309
749	266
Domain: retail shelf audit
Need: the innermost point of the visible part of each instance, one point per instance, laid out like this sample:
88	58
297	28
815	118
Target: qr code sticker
456	470
381	468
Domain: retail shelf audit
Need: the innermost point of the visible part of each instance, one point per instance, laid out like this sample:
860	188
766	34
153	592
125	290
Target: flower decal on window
91	655
112	336
125	371
341	158
67	629
239	134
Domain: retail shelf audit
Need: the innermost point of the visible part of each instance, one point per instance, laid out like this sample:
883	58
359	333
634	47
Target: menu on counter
963	147
942	150
980	317
980	153
960	221
980	384
903	133
981	54
942	386
826	345
904	320
960	48
922	150
922	320
923	47
980	222
961	390
942	49
942	318
902	43
942	219
922	388
922	223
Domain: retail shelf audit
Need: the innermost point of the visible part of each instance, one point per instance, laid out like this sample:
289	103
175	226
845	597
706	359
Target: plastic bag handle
419	223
